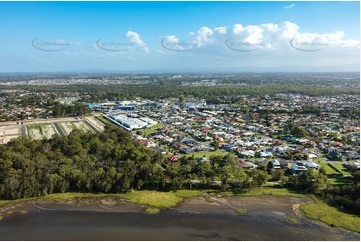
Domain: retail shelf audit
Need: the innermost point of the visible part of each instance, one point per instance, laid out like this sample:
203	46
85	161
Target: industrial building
130	123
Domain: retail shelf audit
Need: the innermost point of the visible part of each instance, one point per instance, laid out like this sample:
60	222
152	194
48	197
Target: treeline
345	196
78	109
213	94
107	162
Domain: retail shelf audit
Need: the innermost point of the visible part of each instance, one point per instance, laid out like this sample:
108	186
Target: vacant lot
45	129
48	131
81	126
67	127
96	123
9	132
35	132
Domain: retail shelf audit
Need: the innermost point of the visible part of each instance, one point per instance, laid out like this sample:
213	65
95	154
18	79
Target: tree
258	177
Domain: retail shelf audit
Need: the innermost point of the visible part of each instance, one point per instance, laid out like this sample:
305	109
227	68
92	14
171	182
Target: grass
9	212
208	199
341	169
188	193
69	196
153	129
329	170
23	211
4	202
241	211
1	217
152	210
55	197
332	174
104	120
36	126
292	220
153	198
279	192
331	215
205	153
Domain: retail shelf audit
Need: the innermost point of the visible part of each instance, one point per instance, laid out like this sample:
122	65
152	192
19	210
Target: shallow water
167	225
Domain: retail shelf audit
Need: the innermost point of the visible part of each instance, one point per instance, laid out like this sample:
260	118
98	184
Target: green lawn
332	174
341	168
151	130
205	153
331	215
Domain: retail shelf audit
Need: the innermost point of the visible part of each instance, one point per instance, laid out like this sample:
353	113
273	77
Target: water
167	225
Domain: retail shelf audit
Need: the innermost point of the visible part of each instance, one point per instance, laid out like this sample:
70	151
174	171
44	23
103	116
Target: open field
334	175
205	154
153	129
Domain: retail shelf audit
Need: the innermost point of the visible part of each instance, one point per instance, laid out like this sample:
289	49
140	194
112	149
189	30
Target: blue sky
226	36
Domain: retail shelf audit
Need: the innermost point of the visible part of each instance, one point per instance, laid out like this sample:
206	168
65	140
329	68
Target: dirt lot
96	123
45	129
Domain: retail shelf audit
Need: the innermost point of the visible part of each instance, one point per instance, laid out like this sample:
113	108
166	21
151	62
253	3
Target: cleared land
34	131
96	123
9	132
46	128
48	131
67	127
82	126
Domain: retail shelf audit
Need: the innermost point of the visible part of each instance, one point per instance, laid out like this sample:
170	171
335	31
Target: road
57	127
23	131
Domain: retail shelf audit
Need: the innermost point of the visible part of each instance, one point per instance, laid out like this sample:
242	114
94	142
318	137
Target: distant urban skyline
180	36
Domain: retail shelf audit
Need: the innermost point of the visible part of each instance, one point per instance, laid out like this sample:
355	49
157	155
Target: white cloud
221	30
290	6
237	28
269	35
203	36
269	44
134	38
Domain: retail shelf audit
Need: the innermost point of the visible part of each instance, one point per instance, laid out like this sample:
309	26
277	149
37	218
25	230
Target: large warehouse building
132	123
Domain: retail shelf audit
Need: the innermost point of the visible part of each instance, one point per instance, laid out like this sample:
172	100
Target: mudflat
112	218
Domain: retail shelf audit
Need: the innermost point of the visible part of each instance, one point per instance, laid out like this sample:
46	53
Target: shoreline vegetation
111	167
154	201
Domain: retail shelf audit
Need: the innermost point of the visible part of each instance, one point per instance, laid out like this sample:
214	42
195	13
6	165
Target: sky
180	36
